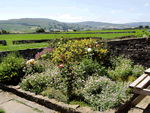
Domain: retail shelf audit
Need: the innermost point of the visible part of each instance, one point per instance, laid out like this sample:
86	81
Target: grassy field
10	37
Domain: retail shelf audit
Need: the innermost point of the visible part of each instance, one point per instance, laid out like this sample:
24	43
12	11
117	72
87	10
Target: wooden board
137	81
143	83
144	91
147	71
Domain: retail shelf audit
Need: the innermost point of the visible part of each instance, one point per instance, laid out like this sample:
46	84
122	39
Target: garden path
12	103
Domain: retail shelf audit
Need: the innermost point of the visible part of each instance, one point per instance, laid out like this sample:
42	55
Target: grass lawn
10	37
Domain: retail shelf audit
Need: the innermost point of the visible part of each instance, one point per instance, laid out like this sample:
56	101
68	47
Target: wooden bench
140	87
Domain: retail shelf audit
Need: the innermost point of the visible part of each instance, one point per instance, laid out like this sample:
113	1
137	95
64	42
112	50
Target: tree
4	31
40	30
74	30
146	27
140	26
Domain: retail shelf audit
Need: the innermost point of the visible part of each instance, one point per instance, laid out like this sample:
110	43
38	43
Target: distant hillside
31	24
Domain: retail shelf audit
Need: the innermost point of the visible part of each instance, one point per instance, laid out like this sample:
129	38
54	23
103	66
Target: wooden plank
143	83
138	99
147	71
138	80
144	91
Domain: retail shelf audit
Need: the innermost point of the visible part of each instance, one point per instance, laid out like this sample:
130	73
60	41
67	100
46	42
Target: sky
111	11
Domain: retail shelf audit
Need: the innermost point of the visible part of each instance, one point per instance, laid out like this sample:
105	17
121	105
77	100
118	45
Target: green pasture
99	31
10	37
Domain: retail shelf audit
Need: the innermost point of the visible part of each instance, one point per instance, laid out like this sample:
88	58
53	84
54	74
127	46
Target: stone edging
49	103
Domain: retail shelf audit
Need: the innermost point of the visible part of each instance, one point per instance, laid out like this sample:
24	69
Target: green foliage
37	66
146	27
2	111
11	68
102	93
89	67
137	70
124	70
4	32
37	82
140	26
57	94
40	30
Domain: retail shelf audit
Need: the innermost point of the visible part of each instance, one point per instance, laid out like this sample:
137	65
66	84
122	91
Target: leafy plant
11	68
102	93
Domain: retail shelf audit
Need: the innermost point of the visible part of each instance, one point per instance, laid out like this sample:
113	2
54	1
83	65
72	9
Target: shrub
31	68
75	51
11	68
137	70
38	82
43	55
57	94
123	68
102	93
40	30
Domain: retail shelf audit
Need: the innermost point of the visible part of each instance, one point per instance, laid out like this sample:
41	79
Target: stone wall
3	42
26	53
137	49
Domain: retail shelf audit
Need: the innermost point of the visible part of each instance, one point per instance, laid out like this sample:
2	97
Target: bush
31	68
76	50
137	70
44	55
40	30
11	68
57	94
123	69
102	93
4	32
38	82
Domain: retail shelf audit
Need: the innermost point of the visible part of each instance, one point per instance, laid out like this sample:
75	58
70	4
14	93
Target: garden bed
74	71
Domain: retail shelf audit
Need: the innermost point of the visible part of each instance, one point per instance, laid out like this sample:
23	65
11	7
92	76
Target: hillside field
10	37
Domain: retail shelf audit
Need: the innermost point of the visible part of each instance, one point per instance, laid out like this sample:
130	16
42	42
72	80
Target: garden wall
26	53
3	42
137	49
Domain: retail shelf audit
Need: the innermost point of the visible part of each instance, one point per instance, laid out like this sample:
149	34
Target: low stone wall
138	49
46	40
26	53
3	42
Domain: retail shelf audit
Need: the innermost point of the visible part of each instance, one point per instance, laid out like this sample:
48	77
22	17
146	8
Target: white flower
31	61
89	49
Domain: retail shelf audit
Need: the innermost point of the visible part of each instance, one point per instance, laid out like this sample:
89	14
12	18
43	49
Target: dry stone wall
136	49
26	53
3	42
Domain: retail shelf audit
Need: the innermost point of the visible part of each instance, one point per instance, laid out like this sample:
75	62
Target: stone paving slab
15	104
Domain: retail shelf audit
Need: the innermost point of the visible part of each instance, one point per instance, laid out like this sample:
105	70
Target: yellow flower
58	42
43	55
10	75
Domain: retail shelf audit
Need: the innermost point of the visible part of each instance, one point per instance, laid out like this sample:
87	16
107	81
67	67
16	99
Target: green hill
31	24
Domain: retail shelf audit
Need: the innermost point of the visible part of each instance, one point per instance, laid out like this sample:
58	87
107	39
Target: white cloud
131	9
146	4
67	16
86	9
73	6
112	11
116	11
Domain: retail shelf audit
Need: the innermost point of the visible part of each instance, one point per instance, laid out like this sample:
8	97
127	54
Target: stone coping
49	103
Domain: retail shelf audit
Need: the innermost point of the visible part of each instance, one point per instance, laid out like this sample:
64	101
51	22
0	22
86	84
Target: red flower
62	56
97	45
90	46
61	65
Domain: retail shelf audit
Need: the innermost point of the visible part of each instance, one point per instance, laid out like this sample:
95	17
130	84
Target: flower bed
80	70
